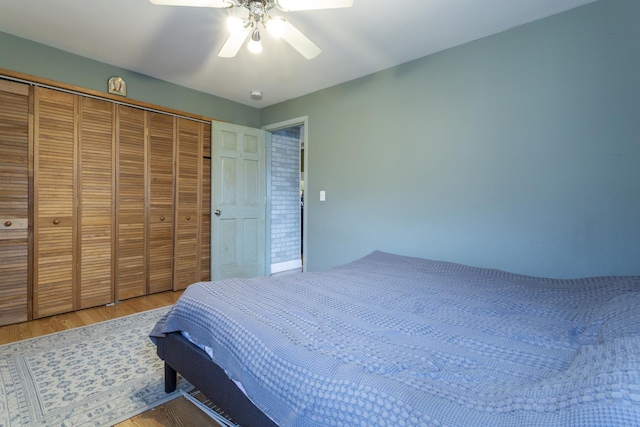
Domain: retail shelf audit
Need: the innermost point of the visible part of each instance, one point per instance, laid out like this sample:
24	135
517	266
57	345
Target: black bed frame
181	356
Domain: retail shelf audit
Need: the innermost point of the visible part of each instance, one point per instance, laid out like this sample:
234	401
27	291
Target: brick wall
285	195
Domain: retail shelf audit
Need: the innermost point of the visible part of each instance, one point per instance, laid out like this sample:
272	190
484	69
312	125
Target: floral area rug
96	375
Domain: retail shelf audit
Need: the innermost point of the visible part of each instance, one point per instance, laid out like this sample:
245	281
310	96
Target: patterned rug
96	375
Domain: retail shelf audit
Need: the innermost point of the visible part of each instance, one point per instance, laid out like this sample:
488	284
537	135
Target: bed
390	340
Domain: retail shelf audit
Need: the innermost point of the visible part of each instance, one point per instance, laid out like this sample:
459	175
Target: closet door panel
188	184
161	188
96	202
13	284
14	202
54	202
131	250
205	225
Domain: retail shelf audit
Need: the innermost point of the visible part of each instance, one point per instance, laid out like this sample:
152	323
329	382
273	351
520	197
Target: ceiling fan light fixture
255	45
240	30
276	26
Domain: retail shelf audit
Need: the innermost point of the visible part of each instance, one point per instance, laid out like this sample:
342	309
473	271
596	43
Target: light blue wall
24	56
520	151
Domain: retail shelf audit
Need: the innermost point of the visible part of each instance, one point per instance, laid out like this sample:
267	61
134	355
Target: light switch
323	196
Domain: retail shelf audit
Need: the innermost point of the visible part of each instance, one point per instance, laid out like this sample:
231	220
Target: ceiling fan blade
234	42
223	4
299	41
293	5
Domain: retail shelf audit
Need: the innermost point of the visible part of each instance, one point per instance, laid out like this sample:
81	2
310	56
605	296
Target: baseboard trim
286	266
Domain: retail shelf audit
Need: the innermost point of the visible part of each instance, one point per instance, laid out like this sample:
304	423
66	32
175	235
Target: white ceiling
180	44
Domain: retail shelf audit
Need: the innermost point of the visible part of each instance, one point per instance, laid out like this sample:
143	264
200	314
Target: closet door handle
188	217
161	218
56	221
8	224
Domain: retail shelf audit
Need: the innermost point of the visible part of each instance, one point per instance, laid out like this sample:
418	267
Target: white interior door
238	202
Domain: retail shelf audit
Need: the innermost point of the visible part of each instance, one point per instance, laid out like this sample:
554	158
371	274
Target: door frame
298	121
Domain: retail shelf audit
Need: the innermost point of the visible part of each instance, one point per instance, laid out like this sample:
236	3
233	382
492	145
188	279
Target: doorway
286	180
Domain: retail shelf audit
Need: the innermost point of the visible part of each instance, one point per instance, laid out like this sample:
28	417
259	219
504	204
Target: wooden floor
178	412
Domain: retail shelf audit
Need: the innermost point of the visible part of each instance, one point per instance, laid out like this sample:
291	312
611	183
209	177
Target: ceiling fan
277	26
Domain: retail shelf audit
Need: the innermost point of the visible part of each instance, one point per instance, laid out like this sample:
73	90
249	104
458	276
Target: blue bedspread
396	341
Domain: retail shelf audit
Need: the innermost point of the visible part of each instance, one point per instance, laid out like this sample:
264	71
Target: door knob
217	212
7	224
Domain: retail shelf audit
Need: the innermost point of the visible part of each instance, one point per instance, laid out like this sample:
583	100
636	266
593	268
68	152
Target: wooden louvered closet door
188	202
14	202
205	225
73	202
54	202
119	202
95	182
131	262
161	187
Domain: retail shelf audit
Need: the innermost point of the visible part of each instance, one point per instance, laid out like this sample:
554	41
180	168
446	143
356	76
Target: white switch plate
323	196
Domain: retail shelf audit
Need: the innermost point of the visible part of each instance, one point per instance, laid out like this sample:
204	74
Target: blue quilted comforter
396	341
